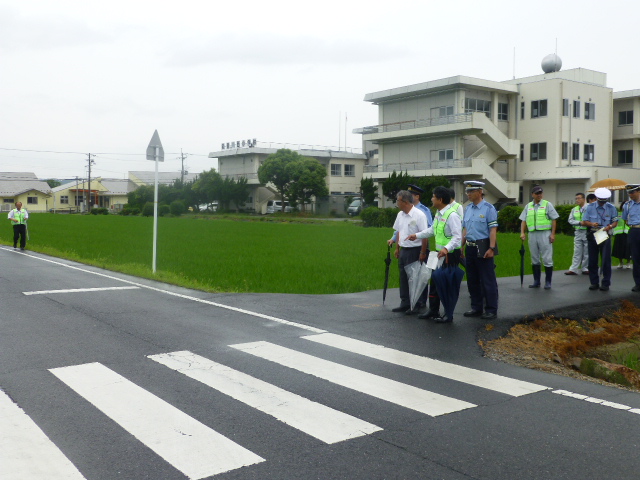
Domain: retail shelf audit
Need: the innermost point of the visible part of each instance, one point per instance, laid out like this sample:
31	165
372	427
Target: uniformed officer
479	233
600	215
580	247
18	217
631	214
539	217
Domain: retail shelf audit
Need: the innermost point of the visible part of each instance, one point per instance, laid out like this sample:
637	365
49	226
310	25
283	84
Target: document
600	236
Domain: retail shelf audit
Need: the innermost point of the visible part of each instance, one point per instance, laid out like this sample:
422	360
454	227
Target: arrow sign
155	150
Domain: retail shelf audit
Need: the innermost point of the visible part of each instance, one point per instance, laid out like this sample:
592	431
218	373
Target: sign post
155	152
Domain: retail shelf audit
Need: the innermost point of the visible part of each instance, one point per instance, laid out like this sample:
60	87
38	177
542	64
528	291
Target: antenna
514	63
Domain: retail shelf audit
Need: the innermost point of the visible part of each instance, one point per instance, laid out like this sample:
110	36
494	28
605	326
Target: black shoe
604	288
636	288
429	314
401	308
489	316
473	313
21	248
535	285
547	286
594	286
415	311
443	319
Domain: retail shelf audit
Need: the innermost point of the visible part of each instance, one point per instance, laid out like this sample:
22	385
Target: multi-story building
563	129
344	170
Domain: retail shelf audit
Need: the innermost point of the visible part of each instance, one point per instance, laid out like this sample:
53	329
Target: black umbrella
447	280
387	262
522	252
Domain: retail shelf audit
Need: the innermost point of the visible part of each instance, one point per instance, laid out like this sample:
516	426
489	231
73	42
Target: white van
276	206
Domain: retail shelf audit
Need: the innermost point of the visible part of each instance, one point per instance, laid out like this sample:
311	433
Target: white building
564	130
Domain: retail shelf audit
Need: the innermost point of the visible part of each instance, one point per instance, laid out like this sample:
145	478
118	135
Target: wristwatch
493	248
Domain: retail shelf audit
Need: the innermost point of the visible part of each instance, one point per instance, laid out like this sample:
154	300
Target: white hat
473	185
603	193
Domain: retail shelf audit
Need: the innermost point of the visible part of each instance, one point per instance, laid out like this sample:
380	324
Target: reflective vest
457	207
537	218
622	226
577	215
18	215
438	228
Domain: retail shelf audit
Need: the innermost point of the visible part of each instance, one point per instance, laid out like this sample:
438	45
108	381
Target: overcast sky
99	77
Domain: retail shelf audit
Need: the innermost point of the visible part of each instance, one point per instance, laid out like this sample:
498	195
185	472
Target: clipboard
600	236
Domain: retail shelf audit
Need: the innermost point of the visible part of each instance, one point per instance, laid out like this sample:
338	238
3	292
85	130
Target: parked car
276	206
355	207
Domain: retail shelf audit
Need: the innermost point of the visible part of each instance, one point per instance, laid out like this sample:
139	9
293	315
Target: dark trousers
633	240
20	231
481	281
407	256
453	258
603	250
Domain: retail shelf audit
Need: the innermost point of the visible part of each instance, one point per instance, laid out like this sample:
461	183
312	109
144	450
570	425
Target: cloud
279	50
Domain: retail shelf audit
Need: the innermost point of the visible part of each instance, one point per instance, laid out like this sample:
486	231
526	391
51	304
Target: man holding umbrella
447	228
597	216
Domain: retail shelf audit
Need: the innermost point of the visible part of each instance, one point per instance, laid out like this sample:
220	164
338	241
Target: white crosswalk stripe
317	420
26	453
191	447
491	381
408	396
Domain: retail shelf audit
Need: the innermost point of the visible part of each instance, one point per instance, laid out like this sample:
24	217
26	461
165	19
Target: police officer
600	215
631	214
18	217
479	232
580	247
539	216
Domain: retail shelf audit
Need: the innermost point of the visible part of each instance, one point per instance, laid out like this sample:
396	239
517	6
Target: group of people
467	235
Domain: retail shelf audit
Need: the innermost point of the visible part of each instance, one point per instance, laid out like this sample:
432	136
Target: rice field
239	255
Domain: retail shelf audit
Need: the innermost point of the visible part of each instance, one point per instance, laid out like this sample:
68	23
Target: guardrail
431	165
411	124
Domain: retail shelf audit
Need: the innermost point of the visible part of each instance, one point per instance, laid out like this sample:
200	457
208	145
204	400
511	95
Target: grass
285	255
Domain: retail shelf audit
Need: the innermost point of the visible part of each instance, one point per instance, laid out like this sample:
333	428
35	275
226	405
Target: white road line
26	453
191	447
599	401
76	290
315	419
487	380
401	394
187	297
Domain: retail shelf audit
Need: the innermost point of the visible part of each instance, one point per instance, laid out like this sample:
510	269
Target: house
140	178
26	188
344	170
564	130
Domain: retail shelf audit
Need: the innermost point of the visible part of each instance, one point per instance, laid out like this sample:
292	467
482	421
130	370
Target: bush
163	210
147	210
508	220
129	211
99	211
177	208
563	225
379	217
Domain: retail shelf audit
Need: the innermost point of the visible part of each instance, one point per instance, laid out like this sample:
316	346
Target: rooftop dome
551	63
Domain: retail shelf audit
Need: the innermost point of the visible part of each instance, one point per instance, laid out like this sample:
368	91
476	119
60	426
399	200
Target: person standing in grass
631	214
580	246
18	217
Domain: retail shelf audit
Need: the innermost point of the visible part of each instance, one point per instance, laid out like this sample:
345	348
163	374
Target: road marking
401	394
315	419
479	378
191	447
186	297
76	290
599	401
26	453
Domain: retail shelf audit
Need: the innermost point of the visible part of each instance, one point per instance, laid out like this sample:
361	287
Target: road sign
155	150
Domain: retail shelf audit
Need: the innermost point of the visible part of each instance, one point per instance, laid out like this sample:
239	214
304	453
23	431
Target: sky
80	77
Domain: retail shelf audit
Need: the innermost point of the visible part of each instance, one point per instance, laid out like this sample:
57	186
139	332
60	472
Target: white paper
600	236
433	261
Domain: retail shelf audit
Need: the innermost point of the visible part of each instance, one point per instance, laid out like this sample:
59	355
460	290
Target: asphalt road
107	376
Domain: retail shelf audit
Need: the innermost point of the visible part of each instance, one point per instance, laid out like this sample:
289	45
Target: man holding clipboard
601	217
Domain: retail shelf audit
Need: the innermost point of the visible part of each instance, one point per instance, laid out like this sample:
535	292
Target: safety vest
18	215
455	206
577	215
622	226
438	228
537	219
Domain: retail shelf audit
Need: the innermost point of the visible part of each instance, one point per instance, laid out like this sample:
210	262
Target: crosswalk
199	451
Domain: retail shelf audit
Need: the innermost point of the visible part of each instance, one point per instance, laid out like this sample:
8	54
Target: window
539	151
442	111
336	170
522	152
521	110
349	170
575	154
565	150
32	200
589	153
576	109
446	154
625	157
538	108
565	107
7	200
589	111
476	105
503	111
64	199
625	118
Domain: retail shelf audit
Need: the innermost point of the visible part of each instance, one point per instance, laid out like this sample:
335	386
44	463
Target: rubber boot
537	271
548	273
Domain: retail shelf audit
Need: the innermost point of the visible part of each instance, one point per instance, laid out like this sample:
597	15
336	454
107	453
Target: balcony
431	165
412	124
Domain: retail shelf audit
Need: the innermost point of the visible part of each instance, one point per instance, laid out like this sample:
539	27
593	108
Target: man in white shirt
410	220
18	217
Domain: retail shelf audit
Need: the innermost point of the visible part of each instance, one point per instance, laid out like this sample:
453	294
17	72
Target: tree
53	183
274	170
140	196
208	186
239	192
396	182
368	190
307	180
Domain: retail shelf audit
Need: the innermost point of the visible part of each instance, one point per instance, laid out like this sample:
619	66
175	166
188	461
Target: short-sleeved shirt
426	212
631	213
478	219
408	223
20	215
604	215
452	230
552	214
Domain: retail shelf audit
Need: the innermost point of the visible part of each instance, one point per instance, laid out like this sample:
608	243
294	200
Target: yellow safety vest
537	218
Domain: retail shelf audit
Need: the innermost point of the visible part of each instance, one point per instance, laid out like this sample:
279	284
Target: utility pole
182	157
90	162
77	204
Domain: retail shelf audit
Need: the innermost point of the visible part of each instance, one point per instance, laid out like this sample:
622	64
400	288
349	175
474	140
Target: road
107	376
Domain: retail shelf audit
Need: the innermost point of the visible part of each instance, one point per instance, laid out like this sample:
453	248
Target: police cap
415	189
632	187
471	185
